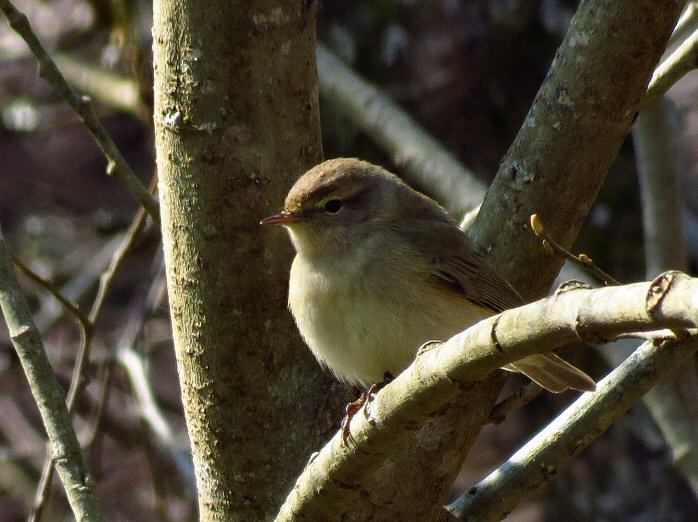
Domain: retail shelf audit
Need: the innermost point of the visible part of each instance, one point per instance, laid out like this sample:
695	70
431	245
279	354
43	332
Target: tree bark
236	122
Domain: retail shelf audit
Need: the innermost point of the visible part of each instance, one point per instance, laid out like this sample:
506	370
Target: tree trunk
236	122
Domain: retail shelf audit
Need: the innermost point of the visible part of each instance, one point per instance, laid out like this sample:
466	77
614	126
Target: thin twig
65	449
82	105
582	260
83	321
102	401
76	288
77	381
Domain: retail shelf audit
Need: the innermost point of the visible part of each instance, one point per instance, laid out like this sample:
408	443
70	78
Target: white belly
357	332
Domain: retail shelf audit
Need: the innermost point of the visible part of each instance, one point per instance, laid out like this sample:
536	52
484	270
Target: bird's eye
333	206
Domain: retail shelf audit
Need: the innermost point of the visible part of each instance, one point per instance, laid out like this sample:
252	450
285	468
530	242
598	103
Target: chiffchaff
380	269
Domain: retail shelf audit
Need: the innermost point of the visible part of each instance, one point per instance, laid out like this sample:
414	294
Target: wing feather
457	268
464	273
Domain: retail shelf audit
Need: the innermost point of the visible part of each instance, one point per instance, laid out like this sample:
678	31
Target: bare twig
71	307
82	105
105	388
582	260
77	381
47	392
105	283
76	288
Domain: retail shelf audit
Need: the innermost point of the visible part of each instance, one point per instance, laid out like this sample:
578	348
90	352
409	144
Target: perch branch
539	460
437	375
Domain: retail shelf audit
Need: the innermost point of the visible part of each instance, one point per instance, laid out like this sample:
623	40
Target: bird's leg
362	402
373	390
523	396
351	409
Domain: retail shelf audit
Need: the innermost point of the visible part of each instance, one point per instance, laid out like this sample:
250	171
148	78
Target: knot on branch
517	175
658	290
493	335
585	333
571	285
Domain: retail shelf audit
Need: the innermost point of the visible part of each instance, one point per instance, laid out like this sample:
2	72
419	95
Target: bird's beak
282	218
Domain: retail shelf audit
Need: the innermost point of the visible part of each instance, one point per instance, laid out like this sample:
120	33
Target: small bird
380	269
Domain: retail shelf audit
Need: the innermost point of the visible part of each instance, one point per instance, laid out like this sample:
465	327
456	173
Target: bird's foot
364	402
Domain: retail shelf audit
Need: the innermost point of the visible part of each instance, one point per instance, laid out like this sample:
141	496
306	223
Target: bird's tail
553	373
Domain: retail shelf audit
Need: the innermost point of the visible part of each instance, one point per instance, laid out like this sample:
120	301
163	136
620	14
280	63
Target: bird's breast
340	316
362	321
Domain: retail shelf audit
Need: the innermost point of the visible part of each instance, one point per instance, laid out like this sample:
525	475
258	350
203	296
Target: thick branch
578	121
236	122
537	462
328	485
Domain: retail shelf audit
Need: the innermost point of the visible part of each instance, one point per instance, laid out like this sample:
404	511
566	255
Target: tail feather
553	373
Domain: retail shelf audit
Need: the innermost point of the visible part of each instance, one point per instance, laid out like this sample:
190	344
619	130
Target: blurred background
465	70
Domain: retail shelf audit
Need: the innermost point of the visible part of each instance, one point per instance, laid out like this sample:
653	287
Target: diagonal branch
680	62
50	399
538	461
327	485
82	105
425	161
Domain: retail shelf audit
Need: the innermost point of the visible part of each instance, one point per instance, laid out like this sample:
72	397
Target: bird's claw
364	402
